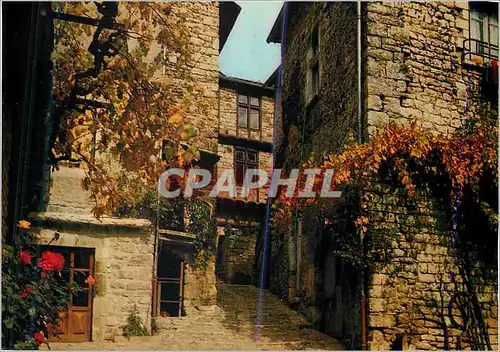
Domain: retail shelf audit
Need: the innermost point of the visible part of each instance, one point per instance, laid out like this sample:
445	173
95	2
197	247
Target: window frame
245	163
486	19
313	65
248	106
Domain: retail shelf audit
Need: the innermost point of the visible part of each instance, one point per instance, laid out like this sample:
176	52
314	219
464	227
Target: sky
246	53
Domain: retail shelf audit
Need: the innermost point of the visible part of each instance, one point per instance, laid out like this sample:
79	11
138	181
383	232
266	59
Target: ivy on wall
191	215
405	182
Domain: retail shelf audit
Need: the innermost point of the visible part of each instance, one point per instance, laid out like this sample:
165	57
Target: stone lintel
108	224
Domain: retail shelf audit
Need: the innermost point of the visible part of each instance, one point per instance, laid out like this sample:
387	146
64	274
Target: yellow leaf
184	136
187	157
175	118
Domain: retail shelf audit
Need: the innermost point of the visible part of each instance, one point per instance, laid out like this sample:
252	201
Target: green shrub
134	326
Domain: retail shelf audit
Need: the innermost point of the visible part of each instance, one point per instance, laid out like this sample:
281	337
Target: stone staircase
276	326
231	325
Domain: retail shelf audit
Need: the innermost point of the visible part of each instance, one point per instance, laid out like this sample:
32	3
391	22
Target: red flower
39	338
51	261
25	291
90	280
24	257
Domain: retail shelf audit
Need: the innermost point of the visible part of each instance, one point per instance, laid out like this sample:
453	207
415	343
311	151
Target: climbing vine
191	215
411	158
115	101
407	180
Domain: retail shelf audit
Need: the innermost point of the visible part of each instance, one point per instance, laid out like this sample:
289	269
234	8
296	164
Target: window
313	74
484	28
248	112
244	159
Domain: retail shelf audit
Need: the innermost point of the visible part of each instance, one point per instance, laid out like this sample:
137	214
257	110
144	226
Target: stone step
229	326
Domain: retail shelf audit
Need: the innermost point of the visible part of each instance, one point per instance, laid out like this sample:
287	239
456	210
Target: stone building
133	262
419	62
245	142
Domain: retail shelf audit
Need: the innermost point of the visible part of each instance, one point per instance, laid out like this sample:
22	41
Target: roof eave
275	34
240	84
228	13
271	80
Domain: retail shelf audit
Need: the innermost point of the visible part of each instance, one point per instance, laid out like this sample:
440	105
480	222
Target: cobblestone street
229	326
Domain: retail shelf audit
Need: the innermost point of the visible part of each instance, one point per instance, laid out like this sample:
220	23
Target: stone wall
408	298
413	72
413	67
202	22
326	120
237	262
228	119
124	251
199	286
301	262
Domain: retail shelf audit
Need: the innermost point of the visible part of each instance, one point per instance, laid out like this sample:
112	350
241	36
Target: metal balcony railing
484	50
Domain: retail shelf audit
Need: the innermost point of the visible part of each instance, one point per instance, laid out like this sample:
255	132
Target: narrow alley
231	325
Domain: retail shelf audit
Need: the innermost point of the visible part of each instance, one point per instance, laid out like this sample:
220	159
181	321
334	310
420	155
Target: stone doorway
169	284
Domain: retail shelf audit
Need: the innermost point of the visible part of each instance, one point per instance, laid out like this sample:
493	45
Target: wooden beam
178	242
177	233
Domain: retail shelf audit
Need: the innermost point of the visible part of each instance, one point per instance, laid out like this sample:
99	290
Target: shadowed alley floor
229	326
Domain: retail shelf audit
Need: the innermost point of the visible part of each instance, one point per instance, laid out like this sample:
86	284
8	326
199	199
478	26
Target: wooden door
76	322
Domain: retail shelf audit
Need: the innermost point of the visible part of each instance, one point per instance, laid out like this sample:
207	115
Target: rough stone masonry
414	73
124	248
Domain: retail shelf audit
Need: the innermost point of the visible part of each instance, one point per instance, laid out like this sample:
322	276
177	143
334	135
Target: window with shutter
248	112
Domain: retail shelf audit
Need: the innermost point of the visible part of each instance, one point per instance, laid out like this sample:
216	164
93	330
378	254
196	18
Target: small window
242	99
252	157
313	73
244	159
315	79
248	112
254	101
484	27
254	119
242	117
314	41
240	155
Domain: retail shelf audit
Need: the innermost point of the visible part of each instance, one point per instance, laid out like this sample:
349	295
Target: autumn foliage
117	98
411	155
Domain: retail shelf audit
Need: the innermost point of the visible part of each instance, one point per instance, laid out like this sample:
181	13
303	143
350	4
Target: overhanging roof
241	85
275	34
271	80
228	13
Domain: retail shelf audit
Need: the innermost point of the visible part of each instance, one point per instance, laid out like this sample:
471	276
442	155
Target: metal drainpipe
360	140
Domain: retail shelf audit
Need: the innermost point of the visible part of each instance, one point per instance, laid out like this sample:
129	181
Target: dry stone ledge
78	220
